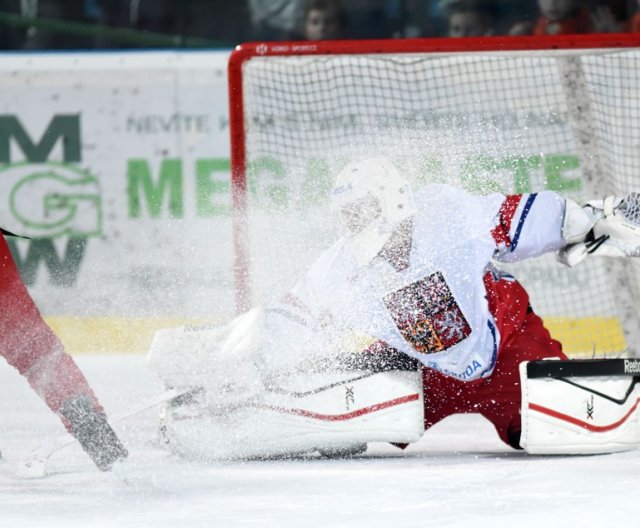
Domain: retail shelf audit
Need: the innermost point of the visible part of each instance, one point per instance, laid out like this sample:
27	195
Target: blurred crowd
81	24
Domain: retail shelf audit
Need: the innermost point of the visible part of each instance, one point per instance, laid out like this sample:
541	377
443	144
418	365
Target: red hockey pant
498	397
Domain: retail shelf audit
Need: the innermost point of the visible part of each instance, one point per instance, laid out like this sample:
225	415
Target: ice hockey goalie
402	322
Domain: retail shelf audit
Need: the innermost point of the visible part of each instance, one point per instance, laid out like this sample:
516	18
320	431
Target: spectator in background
11	36
470	18
558	17
112	13
368	19
166	17
635	20
275	19
611	16
415	18
34	37
220	21
323	20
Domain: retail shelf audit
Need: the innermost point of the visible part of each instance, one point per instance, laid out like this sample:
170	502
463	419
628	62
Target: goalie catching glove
609	228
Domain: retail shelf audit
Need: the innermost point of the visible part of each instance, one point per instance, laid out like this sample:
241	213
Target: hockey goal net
504	114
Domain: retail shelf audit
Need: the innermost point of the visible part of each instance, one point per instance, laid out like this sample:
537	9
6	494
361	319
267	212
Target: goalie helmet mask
372	198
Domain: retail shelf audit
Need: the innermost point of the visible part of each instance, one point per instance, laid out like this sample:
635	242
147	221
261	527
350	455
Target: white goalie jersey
434	309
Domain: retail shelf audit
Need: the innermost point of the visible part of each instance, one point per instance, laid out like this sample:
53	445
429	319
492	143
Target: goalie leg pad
580	406
340	413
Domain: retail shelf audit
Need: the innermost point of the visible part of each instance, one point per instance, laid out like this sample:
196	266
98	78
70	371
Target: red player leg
29	345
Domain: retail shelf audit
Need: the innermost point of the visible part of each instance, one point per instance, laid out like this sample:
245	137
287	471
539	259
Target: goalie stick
9	233
35	466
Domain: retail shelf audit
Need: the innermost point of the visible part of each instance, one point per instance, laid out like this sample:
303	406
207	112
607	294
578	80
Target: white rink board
150	250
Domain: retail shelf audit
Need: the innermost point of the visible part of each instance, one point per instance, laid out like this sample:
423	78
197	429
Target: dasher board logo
44	192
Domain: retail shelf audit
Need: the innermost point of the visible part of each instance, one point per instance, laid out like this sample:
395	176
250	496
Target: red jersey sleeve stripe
507	211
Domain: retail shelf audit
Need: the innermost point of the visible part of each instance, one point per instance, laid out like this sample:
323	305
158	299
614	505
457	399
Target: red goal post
514	114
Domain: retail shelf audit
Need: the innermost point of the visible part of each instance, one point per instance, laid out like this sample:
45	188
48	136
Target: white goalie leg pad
340	414
580	406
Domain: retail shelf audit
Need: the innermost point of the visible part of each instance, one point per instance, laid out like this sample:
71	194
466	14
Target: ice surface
459	475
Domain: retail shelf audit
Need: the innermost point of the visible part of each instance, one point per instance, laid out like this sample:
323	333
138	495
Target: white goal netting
507	121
